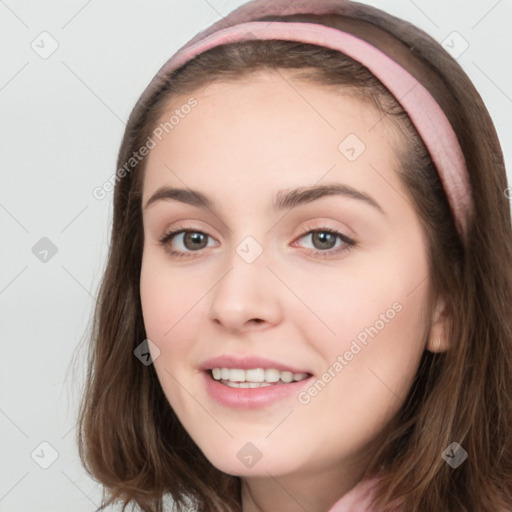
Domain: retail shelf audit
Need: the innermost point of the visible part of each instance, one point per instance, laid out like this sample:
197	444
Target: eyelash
348	242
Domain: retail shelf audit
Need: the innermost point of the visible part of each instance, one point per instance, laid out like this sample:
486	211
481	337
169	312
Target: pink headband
423	110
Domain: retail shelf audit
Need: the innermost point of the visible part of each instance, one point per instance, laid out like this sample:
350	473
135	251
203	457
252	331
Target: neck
314	491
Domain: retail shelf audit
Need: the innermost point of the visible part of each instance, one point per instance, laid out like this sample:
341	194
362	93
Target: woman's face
256	282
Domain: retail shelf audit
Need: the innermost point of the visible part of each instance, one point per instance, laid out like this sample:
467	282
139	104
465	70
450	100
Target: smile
249	389
255	377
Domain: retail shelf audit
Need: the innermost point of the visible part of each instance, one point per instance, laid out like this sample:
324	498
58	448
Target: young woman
308	292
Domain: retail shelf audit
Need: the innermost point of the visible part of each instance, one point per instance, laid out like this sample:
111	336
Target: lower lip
251	398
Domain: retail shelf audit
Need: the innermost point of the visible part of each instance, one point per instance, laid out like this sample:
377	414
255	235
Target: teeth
246	384
286	376
236	375
272	375
255	377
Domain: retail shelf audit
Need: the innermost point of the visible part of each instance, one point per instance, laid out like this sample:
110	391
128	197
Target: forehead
269	127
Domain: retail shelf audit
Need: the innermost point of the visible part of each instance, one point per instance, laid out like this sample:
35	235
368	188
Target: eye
324	241
191	240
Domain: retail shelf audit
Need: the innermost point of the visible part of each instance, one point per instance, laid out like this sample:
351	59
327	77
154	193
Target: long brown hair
129	438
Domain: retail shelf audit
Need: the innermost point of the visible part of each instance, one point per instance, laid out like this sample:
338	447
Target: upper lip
246	363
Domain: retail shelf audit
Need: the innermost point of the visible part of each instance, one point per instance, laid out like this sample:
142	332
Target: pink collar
358	499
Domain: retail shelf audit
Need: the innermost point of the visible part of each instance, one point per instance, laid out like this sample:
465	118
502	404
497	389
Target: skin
243	142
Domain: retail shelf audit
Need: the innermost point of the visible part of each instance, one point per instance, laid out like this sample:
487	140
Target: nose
248	296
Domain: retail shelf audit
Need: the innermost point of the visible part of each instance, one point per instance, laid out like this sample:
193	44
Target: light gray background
62	119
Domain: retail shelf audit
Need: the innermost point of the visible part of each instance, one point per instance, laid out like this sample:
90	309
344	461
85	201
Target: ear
437	338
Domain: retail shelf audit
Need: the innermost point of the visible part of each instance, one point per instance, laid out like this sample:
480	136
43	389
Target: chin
246	460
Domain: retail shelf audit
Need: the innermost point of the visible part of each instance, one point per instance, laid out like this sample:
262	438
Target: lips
239	391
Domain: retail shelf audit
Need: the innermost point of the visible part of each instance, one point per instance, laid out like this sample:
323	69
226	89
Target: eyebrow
282	200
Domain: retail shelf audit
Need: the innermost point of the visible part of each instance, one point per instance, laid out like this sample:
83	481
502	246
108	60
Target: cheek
374	357
373	333
369	366
384	293
167	297
170	305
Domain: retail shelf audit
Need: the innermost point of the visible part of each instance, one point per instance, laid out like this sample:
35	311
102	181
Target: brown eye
194	240
323	239
183	242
